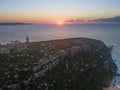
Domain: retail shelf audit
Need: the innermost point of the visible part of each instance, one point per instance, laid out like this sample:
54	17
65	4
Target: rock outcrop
85	65
76	64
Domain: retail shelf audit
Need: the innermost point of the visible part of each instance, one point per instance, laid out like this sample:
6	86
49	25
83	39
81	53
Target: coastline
62	49
112	87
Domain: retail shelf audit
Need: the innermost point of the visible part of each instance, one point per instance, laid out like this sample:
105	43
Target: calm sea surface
110	34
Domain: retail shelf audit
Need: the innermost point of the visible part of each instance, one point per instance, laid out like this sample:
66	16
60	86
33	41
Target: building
5	48
27	40
14	45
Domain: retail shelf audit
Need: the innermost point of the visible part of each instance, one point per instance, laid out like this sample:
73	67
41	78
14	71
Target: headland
72	64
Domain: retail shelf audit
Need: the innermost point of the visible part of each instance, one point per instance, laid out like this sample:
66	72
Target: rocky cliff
67	64
85	65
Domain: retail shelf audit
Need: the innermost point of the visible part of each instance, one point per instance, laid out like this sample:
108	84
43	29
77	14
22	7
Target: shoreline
111	87
116	61
59	49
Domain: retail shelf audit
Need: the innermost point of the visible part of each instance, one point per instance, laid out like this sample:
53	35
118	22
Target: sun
60	22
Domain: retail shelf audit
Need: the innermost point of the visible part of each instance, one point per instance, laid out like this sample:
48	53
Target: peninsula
65	64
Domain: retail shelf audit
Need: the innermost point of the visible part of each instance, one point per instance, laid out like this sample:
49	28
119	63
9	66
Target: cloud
111	20
76	20
106	20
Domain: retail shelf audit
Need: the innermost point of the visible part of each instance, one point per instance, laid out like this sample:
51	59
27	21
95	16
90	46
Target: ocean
109	34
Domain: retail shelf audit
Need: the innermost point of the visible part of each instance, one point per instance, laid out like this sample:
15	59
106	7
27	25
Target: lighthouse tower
27	40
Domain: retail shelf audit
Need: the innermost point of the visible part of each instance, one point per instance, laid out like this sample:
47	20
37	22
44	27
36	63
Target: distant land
16	23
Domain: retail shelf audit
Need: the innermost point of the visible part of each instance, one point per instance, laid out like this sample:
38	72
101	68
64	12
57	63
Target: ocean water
109	34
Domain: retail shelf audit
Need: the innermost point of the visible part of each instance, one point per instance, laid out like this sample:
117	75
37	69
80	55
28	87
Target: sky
57	10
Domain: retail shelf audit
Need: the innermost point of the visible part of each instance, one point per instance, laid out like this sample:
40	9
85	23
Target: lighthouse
27	40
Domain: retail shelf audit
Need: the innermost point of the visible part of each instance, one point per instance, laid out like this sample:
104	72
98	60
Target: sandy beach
112	88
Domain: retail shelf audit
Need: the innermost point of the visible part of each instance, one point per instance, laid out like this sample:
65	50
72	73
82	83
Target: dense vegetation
86	70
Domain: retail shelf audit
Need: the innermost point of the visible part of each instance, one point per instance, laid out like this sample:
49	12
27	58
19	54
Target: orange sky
48	11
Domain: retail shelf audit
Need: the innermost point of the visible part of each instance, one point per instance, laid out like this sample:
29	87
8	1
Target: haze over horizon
47	11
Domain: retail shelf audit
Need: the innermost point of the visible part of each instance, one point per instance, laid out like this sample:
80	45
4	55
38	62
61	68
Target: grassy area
84	71
90	69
